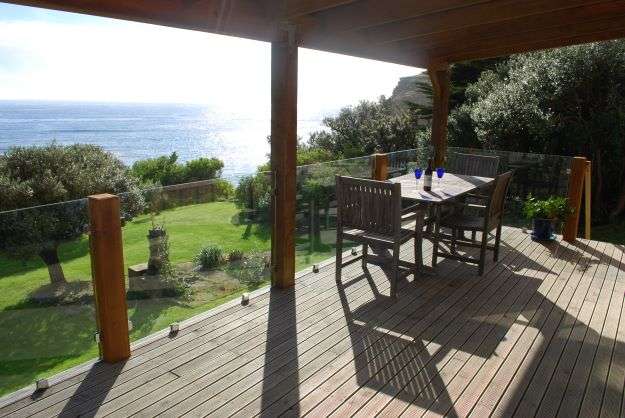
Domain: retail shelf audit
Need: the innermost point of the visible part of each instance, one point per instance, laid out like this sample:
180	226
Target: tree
567	101
364	129
32	176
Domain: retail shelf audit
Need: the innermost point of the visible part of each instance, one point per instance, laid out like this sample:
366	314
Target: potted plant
545	215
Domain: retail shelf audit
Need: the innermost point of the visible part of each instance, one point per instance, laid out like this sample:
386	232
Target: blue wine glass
440	172
418	172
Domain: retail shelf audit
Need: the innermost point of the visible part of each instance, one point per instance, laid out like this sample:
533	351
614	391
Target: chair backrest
498	196
369	205
474	165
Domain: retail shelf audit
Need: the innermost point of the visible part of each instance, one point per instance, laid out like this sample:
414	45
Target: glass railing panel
316	207
539	175
401	162
47	313
195	246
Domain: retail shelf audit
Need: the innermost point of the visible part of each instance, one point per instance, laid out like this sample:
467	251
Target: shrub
166	170
252	271
209	257
254	193
556	208
235	255
202	169
224	190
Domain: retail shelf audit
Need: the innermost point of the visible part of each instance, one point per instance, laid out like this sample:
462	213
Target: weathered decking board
542	332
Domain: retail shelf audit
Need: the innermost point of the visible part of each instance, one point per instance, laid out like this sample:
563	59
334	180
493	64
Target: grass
42	340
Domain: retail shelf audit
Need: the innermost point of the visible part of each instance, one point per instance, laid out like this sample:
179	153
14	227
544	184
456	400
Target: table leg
435	235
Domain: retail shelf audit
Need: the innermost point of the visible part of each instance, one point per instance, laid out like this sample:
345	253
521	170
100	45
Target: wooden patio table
451	187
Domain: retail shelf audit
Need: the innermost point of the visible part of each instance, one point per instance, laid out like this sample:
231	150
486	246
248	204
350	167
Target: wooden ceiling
418	33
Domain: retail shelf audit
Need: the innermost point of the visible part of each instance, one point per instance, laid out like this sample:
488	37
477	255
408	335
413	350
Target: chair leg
365	252
497	241
395	272
339	256
454	237
483	253
418	253
473	236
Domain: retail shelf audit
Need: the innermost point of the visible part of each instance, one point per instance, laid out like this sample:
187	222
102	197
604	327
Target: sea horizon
135	130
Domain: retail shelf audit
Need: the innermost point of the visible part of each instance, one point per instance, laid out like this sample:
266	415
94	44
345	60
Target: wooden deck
541	333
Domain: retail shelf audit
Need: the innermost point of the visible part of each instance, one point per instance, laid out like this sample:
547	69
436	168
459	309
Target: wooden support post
107	269
439	76
576	187
587	199
283	158
380	167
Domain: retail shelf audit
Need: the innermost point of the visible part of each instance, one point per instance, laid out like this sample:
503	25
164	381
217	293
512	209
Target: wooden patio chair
474	165
370	213
490	219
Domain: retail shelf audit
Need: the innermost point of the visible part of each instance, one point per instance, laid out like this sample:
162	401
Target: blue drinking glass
418	172
440	172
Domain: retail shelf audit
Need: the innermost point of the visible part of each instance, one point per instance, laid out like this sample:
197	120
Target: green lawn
39	341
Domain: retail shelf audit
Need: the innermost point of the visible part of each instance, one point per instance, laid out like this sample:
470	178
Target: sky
49	55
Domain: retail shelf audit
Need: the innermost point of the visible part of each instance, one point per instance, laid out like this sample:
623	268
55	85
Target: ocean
137	131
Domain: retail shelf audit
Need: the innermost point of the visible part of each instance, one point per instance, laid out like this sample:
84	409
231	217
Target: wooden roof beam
556	37
474	15
298	8
241	18
366	13
571	19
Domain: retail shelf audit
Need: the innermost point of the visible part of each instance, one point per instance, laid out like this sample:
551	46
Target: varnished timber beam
296	8
380	167
283	158
514	43
107	269
576	188
439	76
483	17
366	13
587	200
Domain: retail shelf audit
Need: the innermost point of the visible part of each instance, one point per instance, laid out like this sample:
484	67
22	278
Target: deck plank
541	332
529	346
469	361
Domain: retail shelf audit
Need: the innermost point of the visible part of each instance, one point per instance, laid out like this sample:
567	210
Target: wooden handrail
107	269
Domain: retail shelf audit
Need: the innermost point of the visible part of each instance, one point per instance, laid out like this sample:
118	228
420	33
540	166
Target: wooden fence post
587	199
107	269
380	167
576	187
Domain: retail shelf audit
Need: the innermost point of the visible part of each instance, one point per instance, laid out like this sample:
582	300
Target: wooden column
576	187
439	76
380	167
283	158
107	269
587	200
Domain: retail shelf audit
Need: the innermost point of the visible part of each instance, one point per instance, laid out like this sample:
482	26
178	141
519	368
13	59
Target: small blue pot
543	230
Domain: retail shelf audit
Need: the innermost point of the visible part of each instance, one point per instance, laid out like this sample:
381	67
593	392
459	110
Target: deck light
245	299
42	384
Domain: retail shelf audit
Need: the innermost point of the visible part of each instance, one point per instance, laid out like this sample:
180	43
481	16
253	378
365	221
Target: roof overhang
409	32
